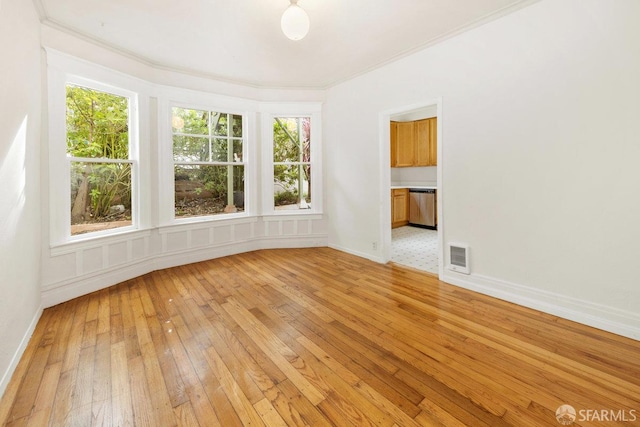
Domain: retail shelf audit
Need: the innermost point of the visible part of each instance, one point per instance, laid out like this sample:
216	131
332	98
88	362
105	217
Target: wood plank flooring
312	337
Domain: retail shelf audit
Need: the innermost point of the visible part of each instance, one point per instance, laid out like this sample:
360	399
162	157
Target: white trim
66	290
99	160
290	109
269	111
246	162
97	234
62	70
440	184
206	221
153	65
221	217
301	215
164	157
17	355
170	97
59	292
98	241
377	259
599	316
91	71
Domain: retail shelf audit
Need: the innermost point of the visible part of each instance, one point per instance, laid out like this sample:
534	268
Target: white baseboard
6	376
60	292
174	259
603	317
606	318
67	290
374	258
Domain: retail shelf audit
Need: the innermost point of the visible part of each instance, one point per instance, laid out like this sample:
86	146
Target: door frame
384	235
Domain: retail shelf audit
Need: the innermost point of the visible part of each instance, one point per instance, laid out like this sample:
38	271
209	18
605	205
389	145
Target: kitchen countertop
417	187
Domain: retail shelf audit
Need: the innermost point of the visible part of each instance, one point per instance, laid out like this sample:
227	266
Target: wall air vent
459	258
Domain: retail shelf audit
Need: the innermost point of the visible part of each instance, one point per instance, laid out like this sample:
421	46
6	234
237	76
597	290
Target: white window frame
64	70
169	97
245	162
271	111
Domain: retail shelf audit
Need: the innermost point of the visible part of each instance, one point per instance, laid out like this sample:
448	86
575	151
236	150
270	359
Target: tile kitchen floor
415	247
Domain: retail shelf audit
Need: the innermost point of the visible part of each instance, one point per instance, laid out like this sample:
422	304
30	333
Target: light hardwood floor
311	337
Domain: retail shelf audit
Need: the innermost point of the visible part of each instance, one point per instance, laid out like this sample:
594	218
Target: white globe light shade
295	22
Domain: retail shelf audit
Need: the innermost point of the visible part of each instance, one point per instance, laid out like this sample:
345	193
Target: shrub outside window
99	155
208	159
291	163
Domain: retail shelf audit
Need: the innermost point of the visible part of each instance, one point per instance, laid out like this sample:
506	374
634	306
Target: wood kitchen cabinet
433	141
422	143
394	143
399	207
402	144
414	143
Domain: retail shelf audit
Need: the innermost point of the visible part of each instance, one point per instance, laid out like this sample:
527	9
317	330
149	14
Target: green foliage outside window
292	155
97	125
208	138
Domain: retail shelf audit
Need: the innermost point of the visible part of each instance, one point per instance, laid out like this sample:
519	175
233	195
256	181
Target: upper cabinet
403	147
414	143
422	143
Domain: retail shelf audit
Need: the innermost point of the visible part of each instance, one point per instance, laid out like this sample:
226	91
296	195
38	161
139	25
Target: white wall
20	103
426	175
539	156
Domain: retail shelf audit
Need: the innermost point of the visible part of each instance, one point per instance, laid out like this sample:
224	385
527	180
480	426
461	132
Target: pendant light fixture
295	22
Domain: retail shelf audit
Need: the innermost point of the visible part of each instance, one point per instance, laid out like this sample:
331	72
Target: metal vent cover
459	258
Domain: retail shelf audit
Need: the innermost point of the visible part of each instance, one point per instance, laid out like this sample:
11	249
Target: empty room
197	202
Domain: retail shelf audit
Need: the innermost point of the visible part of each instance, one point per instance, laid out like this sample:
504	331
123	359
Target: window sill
199	222
302	213
126	234
97	239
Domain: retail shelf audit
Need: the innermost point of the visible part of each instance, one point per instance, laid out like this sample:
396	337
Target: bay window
126	156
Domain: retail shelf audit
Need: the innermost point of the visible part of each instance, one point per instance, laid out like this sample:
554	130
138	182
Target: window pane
237	126
97	124
219	121
291	181
190	148
291	139
237	150
100	196
208	190
221	124
195	122
219	150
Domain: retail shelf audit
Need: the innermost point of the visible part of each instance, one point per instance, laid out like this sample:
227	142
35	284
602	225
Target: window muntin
291	163
208	159
98	149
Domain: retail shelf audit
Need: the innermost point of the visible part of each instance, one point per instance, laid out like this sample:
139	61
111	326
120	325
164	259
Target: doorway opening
408	239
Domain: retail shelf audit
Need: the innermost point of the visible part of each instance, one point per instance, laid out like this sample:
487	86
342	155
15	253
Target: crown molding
324	85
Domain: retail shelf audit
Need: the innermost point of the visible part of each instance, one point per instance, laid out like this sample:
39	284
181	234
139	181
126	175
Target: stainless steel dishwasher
422	208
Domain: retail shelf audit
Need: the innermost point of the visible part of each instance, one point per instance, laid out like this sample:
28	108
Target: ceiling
241	40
